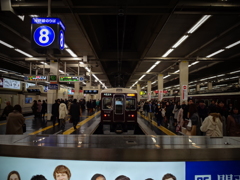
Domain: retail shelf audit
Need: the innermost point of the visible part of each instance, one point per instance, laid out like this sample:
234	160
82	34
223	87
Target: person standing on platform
39	108
233	123
97	105
90	107
15	121
8	109
75	113
34	108
150	111
44	109
63	113
55	112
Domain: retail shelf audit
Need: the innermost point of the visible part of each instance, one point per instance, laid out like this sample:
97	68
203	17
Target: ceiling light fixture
71	53
198	24
167	53
6	44
217	52
232	45
22	52
180	41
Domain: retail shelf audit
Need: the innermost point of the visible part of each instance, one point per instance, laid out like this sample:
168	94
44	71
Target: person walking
55	112
15	121
63	112
75	113
44	109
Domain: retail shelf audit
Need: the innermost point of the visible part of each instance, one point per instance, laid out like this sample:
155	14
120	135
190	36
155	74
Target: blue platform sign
53	86
213	170
47	33
81	78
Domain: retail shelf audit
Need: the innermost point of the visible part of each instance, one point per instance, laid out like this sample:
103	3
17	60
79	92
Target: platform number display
62	40
44	36
47	33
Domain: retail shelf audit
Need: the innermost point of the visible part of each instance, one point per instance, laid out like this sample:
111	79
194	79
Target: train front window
130	104
119	105
107	103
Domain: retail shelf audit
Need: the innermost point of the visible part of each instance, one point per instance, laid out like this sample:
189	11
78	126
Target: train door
119	113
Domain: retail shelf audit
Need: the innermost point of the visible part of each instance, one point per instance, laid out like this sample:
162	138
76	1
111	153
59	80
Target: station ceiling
123	39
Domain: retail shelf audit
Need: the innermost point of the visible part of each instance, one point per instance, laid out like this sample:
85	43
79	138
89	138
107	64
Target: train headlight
105	115
132	115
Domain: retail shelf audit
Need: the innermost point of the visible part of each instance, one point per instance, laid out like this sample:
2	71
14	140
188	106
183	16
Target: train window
107	103
130	104
119	105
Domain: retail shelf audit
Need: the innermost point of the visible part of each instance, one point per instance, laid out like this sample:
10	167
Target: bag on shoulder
189	125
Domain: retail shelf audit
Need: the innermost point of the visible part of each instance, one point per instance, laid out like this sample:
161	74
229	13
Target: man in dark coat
8	109
55	112
75	113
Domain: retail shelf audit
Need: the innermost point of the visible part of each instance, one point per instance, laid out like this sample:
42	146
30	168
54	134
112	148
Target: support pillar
198	87
52	95
160	87
183	67
209	85
76	89
138	92
149	88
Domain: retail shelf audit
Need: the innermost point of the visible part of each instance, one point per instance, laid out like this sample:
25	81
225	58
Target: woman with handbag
63	113
15	121
194	118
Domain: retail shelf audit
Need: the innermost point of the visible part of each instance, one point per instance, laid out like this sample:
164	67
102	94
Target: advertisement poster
149	96
213	170
184	92
11	84
85	170
1	82
160	95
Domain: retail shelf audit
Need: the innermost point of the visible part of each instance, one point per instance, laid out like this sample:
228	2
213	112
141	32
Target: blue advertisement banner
213	170
27	168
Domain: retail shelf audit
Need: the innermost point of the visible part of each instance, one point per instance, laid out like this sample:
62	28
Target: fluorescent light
142	77
33	15
199	23
176	71
154	82
153	66
234	72
71	52
180	41
3	71
234	77
6	44
87	69
167	53
220	75
166	76
65	45
195	63
156	63
217	52
22	52
231	45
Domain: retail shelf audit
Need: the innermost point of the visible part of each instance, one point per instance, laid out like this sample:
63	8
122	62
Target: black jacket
55	109
75	110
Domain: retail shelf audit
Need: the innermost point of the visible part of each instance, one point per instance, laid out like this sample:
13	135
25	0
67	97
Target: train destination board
35	78
70	78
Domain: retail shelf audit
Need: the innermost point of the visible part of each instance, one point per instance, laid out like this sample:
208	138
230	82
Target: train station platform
87	125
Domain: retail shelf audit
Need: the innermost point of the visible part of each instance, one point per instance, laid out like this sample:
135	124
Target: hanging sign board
71	78
160	95
47	33
35	78
53	78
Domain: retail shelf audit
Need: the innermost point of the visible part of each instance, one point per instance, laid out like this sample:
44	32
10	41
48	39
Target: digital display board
69	78
52	78
35	78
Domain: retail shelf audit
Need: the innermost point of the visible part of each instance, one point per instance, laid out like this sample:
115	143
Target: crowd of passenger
215	120
60	111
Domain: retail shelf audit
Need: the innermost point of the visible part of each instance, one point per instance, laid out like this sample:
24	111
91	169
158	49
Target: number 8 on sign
44	36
